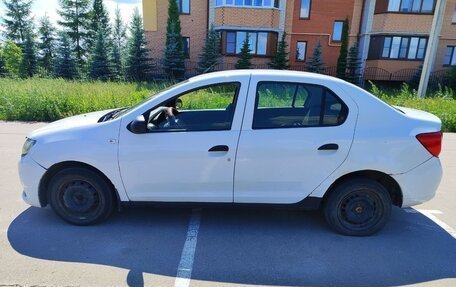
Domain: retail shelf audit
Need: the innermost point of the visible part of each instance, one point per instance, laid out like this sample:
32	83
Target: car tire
81	196
358	207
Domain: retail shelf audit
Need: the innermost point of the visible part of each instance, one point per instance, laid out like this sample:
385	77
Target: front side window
183	6
337	31
210	108
290	105
411	6
450	56
304	13
411	48
301	48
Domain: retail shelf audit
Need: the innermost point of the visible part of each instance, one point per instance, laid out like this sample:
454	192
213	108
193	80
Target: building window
249	3
304	13
337	31
411	6
183	6
411	48
453	20
301	49
260	43
186	41
450	56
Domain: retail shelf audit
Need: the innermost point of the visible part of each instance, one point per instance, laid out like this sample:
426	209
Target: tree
98	19
342	60
316	64
12	55
65	64
2	62
75	17
100	64
29	61
174	58
210	55
280	60
354	65
245	56
46	32
118	47
17	19
138	62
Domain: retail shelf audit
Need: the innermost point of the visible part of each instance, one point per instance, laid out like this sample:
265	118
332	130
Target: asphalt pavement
150	246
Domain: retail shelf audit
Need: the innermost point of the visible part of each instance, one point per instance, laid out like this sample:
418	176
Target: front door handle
330	146
219	148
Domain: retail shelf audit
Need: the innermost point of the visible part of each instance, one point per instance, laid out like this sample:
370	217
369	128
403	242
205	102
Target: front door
188	153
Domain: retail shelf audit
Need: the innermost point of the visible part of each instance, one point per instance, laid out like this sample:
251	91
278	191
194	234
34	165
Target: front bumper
420	184
30	174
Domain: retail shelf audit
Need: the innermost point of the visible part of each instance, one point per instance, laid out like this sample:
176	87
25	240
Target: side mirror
138	126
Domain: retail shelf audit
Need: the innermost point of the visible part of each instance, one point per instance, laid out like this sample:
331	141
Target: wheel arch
384	179
54	169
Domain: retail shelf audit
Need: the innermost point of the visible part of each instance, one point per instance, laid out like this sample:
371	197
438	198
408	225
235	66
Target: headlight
27	146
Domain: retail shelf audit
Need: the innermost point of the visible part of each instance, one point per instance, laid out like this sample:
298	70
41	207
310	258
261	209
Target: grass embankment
52	99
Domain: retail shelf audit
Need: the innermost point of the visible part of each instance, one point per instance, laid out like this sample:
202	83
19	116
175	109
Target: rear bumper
420	184
30	174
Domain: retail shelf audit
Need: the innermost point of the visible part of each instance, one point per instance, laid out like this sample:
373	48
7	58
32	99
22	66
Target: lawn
51	99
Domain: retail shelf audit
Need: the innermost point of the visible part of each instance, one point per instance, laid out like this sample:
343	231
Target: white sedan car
240	137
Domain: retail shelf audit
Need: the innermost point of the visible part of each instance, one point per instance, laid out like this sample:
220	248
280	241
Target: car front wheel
358	207
81	196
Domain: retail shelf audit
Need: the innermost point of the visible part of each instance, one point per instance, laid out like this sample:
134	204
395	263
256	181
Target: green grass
52	99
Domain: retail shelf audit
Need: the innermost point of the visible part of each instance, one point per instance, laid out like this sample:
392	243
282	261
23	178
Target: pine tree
12	55
17	19
210	55
46	45
65	64
75	18
2	62
280	60
354	65
118	47
138	62
342	60
98	19
245	56
29	61
100	62
174	58
316	64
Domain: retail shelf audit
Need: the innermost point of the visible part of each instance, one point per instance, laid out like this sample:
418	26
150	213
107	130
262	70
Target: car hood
73	122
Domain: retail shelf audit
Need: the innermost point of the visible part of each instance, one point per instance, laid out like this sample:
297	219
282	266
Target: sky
49	7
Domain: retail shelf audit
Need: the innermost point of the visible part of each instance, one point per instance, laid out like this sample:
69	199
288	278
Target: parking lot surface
150	246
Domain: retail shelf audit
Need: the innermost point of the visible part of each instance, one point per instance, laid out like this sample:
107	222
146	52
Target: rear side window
287	105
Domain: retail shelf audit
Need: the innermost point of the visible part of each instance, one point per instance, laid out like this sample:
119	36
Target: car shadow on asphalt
245	246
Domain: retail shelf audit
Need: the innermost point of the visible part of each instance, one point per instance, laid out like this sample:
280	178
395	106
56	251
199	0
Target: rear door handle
219	148
330	146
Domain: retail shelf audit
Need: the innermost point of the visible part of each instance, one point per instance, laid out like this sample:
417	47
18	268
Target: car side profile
240	137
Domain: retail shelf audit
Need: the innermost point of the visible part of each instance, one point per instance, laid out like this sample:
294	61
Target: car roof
265	72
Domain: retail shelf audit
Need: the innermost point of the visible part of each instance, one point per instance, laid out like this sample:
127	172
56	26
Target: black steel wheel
81	196
358	207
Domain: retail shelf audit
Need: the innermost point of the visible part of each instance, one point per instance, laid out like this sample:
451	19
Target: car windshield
128	109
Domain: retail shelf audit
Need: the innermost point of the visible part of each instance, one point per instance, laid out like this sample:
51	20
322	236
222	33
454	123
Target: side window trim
325	91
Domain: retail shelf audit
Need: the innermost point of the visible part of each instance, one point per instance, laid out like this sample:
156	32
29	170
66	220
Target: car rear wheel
358	207
81	196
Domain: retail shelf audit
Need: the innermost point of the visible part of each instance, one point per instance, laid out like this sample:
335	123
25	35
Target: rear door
295	133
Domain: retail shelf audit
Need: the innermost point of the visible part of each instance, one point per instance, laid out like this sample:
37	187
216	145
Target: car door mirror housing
138	126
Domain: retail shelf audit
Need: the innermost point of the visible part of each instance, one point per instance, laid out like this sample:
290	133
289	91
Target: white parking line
184	271
430	214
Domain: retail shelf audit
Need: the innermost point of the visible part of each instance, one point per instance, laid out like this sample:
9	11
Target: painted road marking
184	271
431	215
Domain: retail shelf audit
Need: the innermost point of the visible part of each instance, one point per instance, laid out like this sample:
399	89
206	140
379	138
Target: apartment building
392	34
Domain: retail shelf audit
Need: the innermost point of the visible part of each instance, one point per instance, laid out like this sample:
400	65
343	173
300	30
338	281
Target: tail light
432	142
